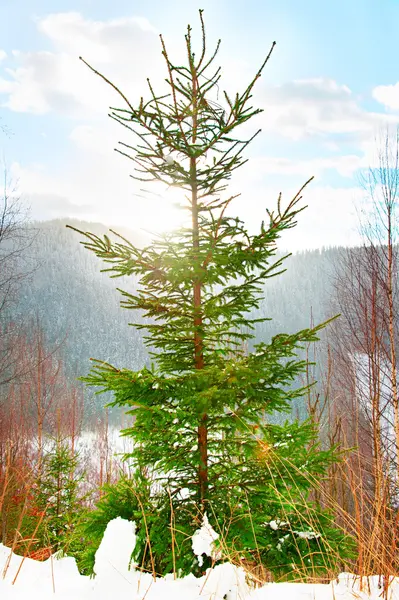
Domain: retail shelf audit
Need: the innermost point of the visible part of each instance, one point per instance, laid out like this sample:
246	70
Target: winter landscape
199	309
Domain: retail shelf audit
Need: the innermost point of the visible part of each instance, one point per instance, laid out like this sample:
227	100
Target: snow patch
203	542
60	580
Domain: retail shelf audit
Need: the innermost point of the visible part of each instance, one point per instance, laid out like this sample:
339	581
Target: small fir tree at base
200	431
56	503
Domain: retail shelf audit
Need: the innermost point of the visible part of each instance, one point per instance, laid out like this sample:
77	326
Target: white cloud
345	165
387	95
41	82
94	184
330	218
53	206
317	107
3	55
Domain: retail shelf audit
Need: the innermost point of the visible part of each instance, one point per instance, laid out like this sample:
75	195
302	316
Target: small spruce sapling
200	425
57	498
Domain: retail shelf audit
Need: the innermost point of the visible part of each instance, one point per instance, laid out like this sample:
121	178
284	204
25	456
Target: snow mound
60	580
203	542
113	555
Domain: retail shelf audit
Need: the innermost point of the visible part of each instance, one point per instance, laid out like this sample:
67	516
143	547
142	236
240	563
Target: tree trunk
197	305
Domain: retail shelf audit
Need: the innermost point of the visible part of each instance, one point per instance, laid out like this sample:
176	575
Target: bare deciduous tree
364	351
15	265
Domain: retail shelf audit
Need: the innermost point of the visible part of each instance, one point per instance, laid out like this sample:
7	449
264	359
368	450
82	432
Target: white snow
60	580
307	535
276	524
203	542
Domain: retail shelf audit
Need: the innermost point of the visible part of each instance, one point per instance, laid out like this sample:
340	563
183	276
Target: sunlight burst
161	209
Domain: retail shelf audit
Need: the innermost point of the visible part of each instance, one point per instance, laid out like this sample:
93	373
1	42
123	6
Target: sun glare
161	210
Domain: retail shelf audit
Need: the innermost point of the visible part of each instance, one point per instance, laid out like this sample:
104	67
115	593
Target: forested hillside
77	306
75	302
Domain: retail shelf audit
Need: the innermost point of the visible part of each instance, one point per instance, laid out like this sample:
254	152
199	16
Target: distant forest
77	306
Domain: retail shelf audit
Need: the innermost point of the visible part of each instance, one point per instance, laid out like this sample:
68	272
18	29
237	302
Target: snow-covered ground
60	580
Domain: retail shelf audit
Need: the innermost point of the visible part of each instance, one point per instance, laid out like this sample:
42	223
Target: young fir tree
57	501
202	440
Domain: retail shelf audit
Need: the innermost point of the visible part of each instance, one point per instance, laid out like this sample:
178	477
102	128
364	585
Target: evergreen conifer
57	500
203	443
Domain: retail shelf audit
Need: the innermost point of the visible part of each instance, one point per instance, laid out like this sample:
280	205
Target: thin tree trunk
198	350
392	342
197	305
39	405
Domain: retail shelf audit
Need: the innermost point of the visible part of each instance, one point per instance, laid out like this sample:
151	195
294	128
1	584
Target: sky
329	90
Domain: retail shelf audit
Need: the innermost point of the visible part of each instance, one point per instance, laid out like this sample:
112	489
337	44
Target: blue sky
330	87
